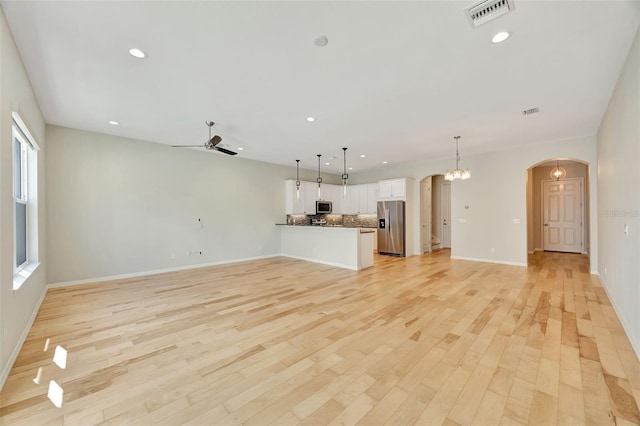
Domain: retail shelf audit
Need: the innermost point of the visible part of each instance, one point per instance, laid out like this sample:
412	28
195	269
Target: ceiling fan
211	144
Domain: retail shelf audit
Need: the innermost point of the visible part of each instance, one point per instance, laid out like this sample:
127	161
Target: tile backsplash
355	220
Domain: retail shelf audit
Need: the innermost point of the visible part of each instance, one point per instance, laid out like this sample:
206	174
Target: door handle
546	224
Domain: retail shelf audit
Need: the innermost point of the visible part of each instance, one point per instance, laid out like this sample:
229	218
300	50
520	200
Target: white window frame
29	197
24	196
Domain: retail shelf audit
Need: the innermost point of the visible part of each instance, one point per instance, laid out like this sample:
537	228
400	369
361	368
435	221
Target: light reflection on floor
55	393
60	357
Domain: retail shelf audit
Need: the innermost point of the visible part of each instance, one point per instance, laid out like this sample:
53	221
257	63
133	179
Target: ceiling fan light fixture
457	173
211	144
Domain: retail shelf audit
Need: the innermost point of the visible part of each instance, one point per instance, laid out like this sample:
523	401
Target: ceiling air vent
530	111
484	11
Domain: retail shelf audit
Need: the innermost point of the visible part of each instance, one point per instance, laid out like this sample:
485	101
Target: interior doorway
558	207
562	215
435	213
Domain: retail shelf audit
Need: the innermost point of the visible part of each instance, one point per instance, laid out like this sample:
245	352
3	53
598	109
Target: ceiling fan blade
225	151
186	146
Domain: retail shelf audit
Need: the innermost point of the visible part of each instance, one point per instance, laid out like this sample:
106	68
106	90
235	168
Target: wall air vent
484	11
530	111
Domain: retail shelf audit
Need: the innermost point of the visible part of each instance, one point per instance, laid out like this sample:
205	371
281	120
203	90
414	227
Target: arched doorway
558	206
435	213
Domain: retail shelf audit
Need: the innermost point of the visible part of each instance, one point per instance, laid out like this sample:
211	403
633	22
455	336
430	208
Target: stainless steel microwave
323	207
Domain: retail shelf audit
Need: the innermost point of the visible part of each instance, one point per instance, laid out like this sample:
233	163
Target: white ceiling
396	81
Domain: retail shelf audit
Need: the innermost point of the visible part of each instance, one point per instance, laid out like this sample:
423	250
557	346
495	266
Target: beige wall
540	174
619	196
17	307
121	206
495	195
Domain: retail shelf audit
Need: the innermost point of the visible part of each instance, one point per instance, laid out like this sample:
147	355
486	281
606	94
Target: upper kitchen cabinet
333	193
294	204
393	189
305	203
361	199
311	196
372	198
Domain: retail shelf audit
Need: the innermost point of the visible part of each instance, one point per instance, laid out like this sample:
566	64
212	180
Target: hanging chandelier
319	179
297	179
457	173
558	172
345	175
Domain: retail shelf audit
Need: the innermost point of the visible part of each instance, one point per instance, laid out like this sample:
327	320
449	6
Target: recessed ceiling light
327	164
137	53
321	41
500	37
113	123
350	168
384	162
240	148
310	119
362	155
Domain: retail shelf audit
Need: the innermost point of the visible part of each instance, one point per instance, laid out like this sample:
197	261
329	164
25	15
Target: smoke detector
484	11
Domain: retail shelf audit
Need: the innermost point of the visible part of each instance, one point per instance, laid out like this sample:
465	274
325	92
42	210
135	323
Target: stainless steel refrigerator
391	232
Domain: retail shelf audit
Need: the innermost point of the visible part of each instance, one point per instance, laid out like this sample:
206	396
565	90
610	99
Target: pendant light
345	175
457	173
298	180
319	180
558	172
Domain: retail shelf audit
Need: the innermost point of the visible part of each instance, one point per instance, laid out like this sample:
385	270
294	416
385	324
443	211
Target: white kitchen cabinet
393	189
372	198
310	197
294	204
352	203
335	196
361	199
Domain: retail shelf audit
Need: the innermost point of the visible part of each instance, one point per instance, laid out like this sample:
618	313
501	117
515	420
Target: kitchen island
344	247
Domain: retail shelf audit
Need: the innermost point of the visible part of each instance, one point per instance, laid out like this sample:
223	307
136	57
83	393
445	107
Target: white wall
618	147
120	206
18	307
495	195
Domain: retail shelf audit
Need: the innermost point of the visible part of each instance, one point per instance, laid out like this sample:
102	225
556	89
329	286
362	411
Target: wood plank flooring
423	340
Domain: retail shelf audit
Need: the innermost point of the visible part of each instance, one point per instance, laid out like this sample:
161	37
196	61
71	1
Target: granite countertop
328	226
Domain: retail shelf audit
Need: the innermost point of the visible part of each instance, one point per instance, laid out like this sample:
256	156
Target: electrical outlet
493	250
605	270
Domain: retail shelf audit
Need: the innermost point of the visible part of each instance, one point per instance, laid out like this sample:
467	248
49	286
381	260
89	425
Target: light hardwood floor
423	340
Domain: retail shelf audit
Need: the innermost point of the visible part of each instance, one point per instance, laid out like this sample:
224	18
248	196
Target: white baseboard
501	262
537	249
154	272
531	252
16	350
634	345
338	265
